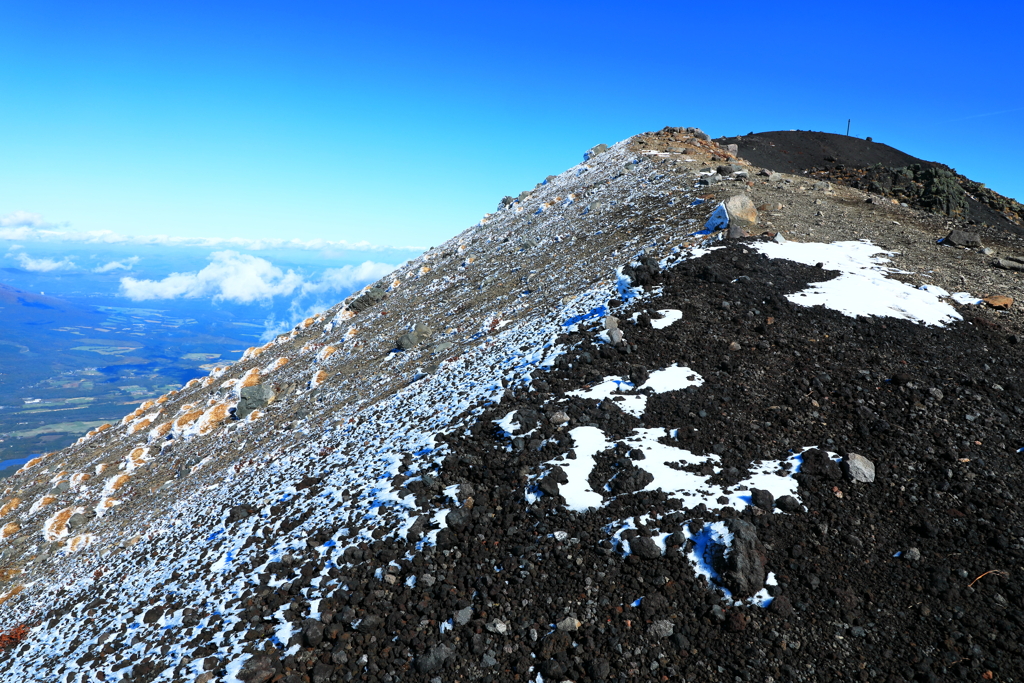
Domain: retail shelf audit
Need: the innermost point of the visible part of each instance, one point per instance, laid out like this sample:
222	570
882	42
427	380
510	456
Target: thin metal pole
847	127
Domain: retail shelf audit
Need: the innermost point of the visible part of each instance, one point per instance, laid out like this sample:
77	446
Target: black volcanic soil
948	478
844	159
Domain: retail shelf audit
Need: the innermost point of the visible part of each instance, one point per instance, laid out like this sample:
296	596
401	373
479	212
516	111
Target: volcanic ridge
682	412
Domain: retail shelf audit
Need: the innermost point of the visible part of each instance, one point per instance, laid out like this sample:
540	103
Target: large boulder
741	566
742	212
253	398
367	299
962	238
594	151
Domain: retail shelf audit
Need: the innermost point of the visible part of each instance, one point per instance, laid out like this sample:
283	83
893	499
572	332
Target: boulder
256	669
962	238
594	151
762	499
364	301
645	548
741	566
254	398
741	211
999	301
1009	263
858	468
408	341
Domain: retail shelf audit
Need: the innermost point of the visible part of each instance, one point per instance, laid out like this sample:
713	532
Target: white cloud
42	265
231	276
347	277
26	220
126	264
22	226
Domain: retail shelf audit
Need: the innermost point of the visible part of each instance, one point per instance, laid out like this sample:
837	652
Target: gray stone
60	488
364	301
408	340
559	418
254	398
497	626
962	238
779	239
595	206
936	393
742	566
1009	264
773	176
822	185
611	323
442	347
661	628
77	520
594	151
729	169
735	232
422	331
615	336
858	468
709	179
569	624
762	499
463	616
912	555
733	149
488	661
433	659
698	133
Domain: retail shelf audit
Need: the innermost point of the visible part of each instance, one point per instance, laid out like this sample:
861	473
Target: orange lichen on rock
56	527
352	331
213	418
9	530
9	506
254	415
78	542
101	468
250	379
115	483
140	425
161	430
136	458
319	378
187	419
307	322
32	463
191	383
147	405
327	352
41	503
105	505
10	594
79	479
276	365
164	398
132	415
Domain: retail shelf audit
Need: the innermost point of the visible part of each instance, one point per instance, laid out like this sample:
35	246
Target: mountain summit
665	416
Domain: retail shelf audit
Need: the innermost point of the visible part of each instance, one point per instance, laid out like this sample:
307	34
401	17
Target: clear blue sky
402	123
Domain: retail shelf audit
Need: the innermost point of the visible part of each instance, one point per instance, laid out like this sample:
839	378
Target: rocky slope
589	438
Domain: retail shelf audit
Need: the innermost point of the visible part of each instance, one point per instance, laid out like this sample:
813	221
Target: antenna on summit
847	127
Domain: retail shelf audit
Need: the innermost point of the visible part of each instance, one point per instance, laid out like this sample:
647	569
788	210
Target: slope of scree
881	169
554	479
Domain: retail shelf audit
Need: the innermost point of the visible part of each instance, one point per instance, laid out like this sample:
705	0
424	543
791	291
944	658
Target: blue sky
402	123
